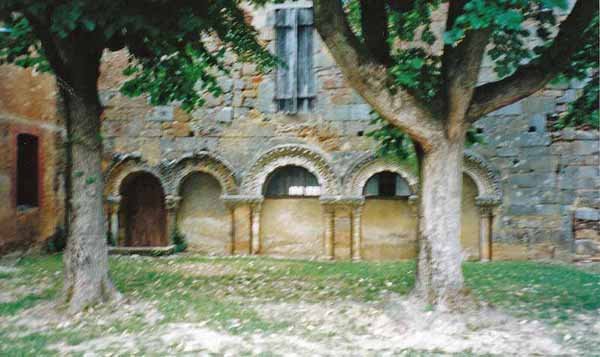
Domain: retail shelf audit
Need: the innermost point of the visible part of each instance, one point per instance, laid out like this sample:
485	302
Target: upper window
292	181
294	46
27	171
386	184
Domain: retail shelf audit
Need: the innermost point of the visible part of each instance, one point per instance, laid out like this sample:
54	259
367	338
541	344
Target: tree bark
439	272
86	278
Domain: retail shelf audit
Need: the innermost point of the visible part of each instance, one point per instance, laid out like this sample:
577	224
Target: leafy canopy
520	31
176	47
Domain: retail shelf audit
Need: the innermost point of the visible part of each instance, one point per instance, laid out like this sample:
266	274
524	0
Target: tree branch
370	79
532	77
374	21
460	69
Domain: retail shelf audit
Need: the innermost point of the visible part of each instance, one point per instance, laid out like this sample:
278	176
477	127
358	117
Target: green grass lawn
218	291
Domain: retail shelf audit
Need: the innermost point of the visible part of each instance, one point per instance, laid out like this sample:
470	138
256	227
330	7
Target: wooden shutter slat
305	17
287	50
306	85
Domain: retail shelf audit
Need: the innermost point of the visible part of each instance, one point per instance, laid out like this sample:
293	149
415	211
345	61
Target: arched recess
142	212
202	216
481	194
290	155
363	170
388	223
470	219
291	214
123	166
485	177
204	162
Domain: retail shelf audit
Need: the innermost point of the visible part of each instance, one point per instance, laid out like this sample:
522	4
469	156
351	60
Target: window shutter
286	27
402	188
372	186
306	85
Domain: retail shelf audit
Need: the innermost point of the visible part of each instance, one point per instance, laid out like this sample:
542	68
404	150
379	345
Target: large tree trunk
439	271
86	279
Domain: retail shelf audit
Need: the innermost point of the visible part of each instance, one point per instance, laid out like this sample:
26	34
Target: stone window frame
290	155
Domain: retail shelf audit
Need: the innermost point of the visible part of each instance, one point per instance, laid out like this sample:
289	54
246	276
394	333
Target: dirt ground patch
194	305
347	328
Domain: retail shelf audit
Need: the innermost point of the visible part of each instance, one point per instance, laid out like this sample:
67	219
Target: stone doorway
143	211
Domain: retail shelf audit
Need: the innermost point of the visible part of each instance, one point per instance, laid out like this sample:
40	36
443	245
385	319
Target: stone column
171	204
486	217
231	203
329	230
413	204
255	241
114	203
357	231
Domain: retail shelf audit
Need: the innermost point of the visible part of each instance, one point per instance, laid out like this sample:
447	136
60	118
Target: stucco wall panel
202	216
469	237
389	230
292	227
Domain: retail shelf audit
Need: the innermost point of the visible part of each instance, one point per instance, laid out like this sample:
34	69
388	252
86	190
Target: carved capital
172	202
113	201
232	201
342	201
486	205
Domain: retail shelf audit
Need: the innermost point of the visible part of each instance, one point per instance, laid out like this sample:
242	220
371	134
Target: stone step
586	258
151	251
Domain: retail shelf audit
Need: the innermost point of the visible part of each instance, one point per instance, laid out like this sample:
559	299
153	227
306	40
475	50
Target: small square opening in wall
479	130
360	133
532	129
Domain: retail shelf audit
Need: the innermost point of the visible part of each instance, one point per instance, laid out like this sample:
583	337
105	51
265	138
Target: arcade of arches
295	208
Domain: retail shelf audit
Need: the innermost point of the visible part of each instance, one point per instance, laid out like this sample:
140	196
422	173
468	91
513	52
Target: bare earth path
239	306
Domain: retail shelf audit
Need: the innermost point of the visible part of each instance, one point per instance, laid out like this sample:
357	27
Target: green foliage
176	48
583	111
57	242
417	72
393	144
178	240
110	240
510	22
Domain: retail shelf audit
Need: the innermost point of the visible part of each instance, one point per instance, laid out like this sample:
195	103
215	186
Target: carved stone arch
286	155
359	173
204	162
485	177
123	166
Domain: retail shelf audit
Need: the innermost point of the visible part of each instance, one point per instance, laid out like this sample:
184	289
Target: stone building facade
280	165
31	185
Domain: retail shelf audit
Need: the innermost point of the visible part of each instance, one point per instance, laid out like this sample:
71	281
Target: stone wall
27	106
544	177
548	181
547	176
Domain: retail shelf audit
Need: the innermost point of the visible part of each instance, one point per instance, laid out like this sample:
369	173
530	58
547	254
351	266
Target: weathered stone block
588	214
513	109
224	115
360	112
161	113
538	122
586	247
570	95
542	105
